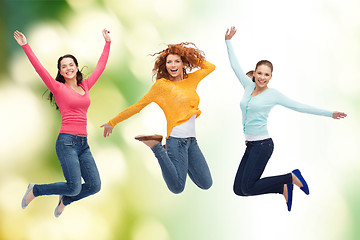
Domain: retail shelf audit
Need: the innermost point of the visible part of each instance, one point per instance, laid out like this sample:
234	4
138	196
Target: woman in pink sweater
71	94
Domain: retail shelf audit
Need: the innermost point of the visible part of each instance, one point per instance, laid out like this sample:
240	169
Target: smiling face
175	66
68	68
262	76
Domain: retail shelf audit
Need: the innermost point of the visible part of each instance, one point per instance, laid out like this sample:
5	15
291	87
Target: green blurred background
314	46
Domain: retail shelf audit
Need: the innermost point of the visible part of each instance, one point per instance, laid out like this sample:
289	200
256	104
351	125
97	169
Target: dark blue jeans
76	162
248	181
181	157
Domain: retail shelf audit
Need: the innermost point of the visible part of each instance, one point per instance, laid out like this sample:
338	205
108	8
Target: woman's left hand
106	35
338	115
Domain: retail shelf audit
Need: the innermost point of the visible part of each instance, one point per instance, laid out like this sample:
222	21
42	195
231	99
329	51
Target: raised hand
338	115
107	129
230	33
106	35
20	38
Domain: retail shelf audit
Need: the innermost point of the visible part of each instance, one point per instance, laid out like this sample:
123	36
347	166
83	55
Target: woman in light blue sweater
256	104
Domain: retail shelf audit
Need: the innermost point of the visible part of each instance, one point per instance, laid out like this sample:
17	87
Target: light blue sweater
255	110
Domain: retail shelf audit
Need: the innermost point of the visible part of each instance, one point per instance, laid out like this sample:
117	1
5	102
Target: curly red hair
192	58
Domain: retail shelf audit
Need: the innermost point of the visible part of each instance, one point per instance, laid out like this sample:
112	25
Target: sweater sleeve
205	69
244	80
50	82
300	107
100	66
132	110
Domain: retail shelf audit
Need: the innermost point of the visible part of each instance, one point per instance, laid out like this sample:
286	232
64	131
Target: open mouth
173	71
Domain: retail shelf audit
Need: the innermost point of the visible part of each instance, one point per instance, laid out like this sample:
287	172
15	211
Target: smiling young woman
71	94
256	104
175	92
175	66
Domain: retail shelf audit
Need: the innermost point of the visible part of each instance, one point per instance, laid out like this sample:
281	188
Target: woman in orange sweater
175	92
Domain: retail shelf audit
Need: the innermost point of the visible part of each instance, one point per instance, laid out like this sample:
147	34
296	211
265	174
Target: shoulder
274	91
84	84
159	82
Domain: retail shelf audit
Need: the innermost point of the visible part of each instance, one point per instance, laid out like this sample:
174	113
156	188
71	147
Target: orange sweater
178	99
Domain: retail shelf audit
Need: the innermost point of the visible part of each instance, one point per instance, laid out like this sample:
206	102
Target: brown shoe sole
149	137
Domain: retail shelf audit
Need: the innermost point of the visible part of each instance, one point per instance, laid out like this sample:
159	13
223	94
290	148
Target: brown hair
191	57
266	63
250	74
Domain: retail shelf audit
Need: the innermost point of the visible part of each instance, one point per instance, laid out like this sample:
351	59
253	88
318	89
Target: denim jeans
181	157
76	162
252	165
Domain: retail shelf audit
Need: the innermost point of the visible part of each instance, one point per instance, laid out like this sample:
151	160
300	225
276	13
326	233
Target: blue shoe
305	187
290	188
56	213
23	203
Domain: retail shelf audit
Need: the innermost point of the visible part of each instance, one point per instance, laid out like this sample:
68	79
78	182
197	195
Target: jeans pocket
182	142
68	143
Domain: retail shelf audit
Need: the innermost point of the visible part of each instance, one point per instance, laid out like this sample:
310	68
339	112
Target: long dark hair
60	78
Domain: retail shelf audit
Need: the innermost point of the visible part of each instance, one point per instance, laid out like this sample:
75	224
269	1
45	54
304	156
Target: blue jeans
76	162
247	180
182	156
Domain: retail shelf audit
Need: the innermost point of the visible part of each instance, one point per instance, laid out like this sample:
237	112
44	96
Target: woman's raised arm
100	66
244	80
50	82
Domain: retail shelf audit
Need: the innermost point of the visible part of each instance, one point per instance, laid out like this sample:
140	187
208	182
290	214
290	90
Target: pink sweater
72	105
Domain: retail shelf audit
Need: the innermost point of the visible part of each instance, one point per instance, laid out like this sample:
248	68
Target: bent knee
73	189
176	189
239	192
247	191
96	187
206	185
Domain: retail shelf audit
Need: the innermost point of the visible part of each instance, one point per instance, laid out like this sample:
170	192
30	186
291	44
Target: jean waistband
184	140
181	138
75	137
258	141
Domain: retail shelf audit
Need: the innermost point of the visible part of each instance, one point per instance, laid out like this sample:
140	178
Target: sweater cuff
111	124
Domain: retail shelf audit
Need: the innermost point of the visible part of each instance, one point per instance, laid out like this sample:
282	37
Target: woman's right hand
230	33
20	38
107	129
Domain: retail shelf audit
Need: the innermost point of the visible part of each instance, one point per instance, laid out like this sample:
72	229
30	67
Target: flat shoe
56	213
149	137
305	187
23	203
290	188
